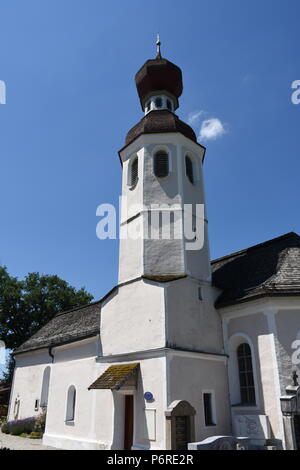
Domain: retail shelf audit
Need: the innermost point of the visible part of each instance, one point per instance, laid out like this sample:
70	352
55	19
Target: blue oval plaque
148	396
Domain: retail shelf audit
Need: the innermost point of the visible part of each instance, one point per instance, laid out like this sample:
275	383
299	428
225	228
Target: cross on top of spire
158	43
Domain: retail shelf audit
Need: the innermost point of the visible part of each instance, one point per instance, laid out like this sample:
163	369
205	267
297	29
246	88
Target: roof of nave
271	268
66	327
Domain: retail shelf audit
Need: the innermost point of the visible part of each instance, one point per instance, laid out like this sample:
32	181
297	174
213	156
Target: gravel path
21	443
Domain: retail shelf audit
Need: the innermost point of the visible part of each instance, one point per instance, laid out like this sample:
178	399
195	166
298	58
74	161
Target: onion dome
159	76
159	85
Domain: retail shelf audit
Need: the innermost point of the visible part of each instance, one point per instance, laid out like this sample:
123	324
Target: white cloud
211	129
194	117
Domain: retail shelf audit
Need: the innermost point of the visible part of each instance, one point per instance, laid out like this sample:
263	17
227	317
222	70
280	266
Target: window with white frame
200	294
209	407
45	388
71	404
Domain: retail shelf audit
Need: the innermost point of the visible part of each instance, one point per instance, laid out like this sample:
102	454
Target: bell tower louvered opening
161	164
189	169
134	172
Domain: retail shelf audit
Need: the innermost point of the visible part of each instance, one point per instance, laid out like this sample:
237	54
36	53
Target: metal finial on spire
158	43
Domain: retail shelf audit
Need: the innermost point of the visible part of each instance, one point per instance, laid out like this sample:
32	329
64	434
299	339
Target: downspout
50	354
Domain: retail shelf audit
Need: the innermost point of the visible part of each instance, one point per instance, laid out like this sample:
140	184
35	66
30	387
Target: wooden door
128	422
182	432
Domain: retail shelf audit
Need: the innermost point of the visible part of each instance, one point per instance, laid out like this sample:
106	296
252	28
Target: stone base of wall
72	443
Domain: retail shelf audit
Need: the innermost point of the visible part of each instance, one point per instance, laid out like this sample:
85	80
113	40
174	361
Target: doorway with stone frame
180	425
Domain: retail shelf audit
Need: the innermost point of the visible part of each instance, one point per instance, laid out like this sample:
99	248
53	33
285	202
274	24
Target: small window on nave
71	404
208	410
45	388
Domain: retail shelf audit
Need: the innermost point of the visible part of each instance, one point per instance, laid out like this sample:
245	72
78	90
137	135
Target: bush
3	411
2	421
21	426
40	423
4	428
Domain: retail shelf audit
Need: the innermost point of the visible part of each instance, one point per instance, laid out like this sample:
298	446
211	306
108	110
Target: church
183	348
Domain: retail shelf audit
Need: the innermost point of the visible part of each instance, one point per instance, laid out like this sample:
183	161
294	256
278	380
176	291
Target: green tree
7	375
27	305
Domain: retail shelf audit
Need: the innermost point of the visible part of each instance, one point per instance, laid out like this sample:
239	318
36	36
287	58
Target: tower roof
158	74
160	122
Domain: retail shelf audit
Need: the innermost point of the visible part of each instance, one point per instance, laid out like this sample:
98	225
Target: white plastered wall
188	376
27	383
74	365
163	256
192	323
133	318
109	424
268	326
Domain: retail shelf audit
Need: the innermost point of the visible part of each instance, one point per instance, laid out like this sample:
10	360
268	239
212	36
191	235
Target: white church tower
161	315
162	175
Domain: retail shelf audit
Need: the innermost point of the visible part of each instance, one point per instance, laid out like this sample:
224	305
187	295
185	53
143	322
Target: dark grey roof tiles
73	325
270	268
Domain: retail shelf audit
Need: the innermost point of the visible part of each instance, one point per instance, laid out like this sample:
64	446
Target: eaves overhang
132	145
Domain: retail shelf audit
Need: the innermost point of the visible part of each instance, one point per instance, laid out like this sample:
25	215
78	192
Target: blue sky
69	67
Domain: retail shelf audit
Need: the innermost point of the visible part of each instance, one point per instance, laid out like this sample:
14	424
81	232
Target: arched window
71	404
158	102
189	169
169	105
247	388
161	164
134	172
45	388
